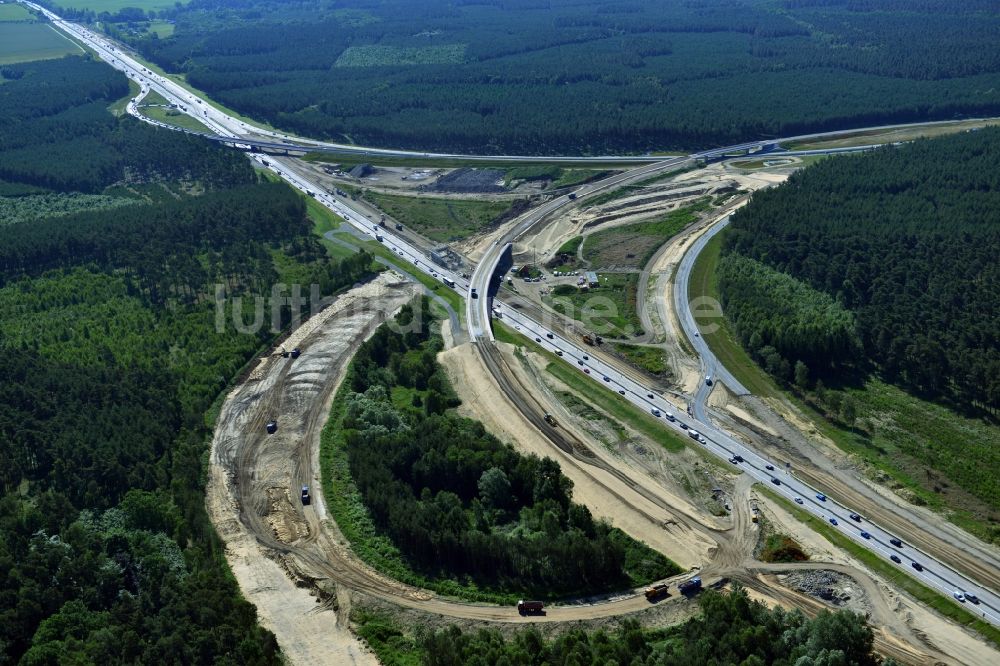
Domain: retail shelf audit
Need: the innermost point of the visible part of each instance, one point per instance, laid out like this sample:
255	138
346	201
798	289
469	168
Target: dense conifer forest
456	501
581	76
898	249
109	361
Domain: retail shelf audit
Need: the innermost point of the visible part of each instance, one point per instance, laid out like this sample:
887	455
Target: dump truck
656	591
526	607
691	586
551	420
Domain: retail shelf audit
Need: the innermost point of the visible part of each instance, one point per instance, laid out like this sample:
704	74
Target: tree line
457	502
731	630
905	238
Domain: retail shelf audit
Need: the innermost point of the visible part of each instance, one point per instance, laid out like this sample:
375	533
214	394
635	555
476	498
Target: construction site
295	565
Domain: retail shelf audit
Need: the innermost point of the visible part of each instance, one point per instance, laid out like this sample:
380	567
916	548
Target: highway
935	574
710	366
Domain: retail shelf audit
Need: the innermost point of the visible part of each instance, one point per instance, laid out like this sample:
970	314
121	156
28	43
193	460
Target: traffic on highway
481	308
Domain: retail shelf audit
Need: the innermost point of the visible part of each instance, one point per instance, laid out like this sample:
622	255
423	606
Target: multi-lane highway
480	310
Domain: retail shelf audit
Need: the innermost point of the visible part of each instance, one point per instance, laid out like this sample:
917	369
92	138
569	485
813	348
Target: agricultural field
13	12
23	42
442	220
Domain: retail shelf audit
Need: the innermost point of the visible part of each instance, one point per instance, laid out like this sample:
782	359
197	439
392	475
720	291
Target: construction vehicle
272	427
551	420
692	586
656	591
587	339
296	352
526	607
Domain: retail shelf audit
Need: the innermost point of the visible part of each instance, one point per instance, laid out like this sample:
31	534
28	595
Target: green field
633	245
650	359
21	42
608	310
12	12
173	117
439	219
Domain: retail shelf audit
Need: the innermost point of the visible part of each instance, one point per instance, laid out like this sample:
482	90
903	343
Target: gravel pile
469	180
829	586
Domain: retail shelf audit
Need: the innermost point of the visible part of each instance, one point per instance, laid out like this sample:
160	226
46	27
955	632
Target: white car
959	595
798	500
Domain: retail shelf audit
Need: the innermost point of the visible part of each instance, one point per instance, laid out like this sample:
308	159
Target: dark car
621	391
769	467
649	395
896	542
305	496
895	558
538	339
586	358
607	379
821	497
855	517
866	535
739	458
917	565
775	481
549	336
833	521
971	597
579	362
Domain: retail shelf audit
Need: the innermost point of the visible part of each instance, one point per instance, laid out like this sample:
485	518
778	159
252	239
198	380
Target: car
798	500
579	362
607	379
306	500
917	565
587	370
586	358
621	391
769	468
821	497
655	412
684	426
559	352
775	481
865	535
959	595
272	427
969	596
538	339
734	461
833	521
895	558
649	395
896	542
855	517
738	457
550	336
701	438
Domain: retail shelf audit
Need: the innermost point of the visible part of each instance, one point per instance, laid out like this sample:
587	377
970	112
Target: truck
551	420
448	281
656	591
306	499
693	434
690	586
588	339
527	607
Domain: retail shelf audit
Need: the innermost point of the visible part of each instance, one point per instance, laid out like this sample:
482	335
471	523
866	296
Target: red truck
526	607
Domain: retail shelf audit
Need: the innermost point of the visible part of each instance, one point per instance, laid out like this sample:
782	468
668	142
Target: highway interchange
483	308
